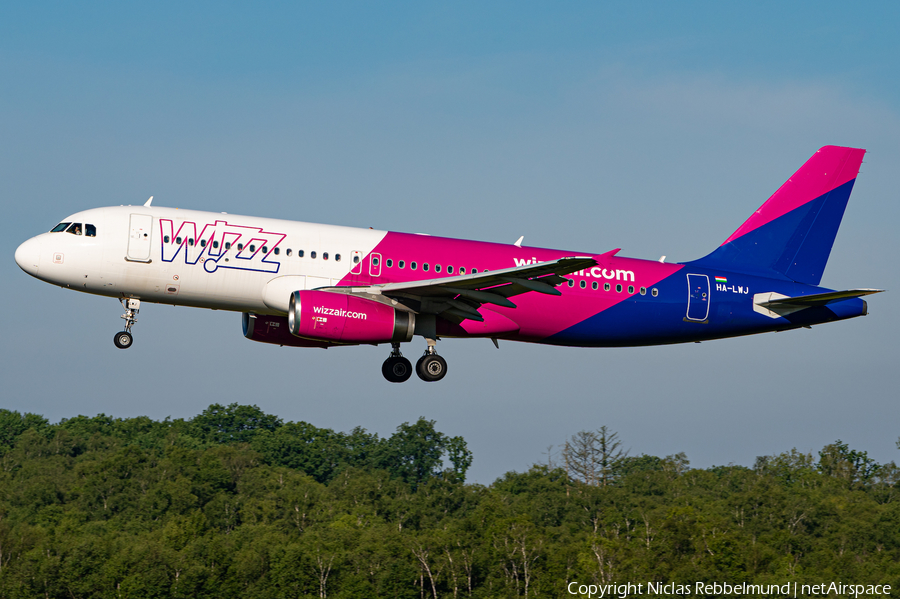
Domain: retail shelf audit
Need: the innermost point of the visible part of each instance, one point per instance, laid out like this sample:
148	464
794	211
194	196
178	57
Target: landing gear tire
123	340
431	368
397	369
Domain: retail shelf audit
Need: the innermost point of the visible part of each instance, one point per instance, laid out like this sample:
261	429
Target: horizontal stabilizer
777	305
822	299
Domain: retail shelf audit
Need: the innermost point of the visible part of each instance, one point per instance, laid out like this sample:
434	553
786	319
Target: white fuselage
130	258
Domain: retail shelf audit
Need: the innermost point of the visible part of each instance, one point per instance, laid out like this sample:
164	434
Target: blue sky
655	128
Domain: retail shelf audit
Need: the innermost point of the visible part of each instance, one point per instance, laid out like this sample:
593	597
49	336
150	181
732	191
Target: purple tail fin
791	235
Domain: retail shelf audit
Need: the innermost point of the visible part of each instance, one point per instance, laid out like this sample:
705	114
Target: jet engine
274	329
343	318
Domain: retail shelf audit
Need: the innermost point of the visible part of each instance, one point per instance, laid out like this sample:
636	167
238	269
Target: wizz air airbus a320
309	285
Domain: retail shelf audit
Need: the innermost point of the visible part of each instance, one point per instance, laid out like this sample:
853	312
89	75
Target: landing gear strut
431	367
124	339
396	369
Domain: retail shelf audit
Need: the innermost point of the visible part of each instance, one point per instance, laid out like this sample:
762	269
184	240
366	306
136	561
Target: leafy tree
460	456
13	424
790	467
108	507
319	452
415	452
642	463
839	461
234	423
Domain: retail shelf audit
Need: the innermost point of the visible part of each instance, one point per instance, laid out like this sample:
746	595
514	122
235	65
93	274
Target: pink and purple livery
308	285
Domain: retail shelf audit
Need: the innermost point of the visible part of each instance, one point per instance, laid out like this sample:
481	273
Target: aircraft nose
28	256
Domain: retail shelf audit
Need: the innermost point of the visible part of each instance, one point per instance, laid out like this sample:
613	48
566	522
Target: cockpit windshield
89	230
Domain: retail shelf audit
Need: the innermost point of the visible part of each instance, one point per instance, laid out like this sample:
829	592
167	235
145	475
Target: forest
237	503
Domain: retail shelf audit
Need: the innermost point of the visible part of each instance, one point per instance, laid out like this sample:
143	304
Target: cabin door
698	297
139	237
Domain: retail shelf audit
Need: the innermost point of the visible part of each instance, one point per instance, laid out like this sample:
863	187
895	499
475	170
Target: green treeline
237	503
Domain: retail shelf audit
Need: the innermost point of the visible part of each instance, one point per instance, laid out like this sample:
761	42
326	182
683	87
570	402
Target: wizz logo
220	245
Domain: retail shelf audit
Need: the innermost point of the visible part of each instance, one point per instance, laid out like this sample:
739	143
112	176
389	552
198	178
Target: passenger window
462	270
605	286
412	265
356	260
166	239
240	247
227	245
289	252
594	285
643	291
74	229
425	266
215	245
474	271
582	284
191	241
312	255
178	240
389	263
401	264
618	289
654	292
571	283
90	231
203	243
437	268
375	262
337	257
265	249
324	255
277	251
252	248
449	270
631	289
59	228
300	254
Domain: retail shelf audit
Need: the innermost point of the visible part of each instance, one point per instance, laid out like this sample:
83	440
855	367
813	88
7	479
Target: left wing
462	295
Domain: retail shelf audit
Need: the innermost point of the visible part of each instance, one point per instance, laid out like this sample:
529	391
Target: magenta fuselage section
401	257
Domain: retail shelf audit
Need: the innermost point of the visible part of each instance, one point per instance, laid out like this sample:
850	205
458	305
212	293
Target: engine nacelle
342	318
274	329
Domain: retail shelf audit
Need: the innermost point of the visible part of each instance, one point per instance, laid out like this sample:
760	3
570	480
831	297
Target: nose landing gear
124	339
396	369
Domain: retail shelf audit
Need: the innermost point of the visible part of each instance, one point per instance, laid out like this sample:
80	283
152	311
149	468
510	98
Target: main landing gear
430	367
396	369
124	339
